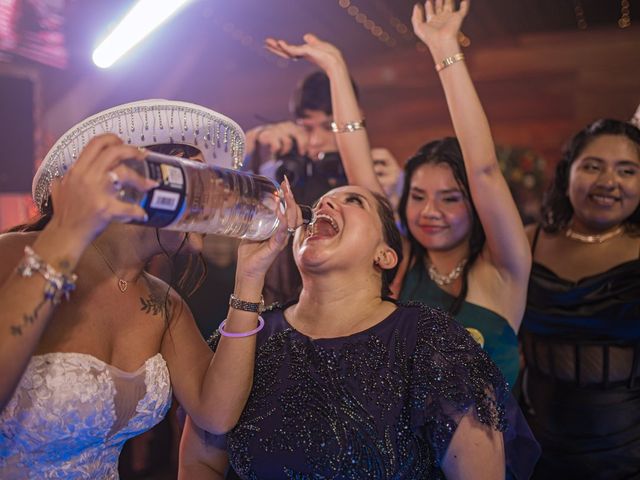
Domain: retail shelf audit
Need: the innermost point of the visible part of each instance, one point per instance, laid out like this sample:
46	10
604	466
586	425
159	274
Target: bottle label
164	203
172	175
162	200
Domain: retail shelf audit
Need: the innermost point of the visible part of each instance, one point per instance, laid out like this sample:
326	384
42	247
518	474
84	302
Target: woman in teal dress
492	331
467	249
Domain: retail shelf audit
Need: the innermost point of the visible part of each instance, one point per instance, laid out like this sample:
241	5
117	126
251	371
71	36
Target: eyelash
590	167
357	199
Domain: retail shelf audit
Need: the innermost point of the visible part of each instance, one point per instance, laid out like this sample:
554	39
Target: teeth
328	218
604	199
310	227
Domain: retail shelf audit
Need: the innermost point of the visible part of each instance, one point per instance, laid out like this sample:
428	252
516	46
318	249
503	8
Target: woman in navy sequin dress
349	385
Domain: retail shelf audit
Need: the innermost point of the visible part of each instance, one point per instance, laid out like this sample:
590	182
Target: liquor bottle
197	197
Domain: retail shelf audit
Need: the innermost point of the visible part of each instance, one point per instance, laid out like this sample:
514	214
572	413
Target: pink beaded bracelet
224	333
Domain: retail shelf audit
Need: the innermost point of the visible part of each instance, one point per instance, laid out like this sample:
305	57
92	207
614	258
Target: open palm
323	54
438	20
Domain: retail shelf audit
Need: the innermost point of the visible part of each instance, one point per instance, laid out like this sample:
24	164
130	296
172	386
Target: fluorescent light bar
142	19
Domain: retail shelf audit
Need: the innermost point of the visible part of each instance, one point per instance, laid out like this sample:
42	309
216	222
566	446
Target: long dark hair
444	151
556	206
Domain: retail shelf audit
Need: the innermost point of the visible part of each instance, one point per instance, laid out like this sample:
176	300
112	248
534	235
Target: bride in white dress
80	376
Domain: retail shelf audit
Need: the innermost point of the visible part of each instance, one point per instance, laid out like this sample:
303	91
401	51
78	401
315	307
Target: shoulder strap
535	240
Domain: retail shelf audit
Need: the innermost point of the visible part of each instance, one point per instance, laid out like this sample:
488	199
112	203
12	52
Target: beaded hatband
144	123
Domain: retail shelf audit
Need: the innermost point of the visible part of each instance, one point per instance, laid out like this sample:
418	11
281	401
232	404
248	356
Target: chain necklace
569	233
448	279
122	283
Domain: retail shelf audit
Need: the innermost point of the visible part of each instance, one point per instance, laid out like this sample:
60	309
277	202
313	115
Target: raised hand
87	198
255	258
323	54
438	21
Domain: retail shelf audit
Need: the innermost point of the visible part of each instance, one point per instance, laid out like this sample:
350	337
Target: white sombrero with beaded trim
144	123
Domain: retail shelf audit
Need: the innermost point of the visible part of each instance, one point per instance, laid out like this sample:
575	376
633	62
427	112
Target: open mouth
323	227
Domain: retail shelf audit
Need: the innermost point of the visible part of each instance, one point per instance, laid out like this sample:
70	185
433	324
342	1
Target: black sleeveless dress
581	391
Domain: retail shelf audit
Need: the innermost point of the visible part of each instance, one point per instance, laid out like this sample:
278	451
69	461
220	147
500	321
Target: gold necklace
122	283
569	233
448	279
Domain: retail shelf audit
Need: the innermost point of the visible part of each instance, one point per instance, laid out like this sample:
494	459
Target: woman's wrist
443	49
60	247
249	289
337	68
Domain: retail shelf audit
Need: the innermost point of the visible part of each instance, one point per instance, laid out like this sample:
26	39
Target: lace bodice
71	413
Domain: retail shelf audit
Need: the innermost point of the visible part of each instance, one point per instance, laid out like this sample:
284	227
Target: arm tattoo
64	265
27	319
154	305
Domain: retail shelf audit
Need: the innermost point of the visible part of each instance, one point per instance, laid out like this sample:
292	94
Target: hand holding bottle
255	258
87	199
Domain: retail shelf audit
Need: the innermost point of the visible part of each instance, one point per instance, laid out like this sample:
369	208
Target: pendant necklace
122	283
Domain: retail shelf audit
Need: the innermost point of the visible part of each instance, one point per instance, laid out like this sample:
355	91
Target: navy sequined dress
380	404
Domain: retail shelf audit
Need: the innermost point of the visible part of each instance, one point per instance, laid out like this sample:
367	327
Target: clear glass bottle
197	197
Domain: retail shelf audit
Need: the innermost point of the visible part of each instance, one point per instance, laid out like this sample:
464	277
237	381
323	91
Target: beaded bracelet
239	304
57	285
224	333
447	62
348	127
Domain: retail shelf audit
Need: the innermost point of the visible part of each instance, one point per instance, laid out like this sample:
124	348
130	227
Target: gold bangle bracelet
447	62
348	127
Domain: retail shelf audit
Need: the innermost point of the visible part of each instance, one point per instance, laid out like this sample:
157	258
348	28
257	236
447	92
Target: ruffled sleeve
453	377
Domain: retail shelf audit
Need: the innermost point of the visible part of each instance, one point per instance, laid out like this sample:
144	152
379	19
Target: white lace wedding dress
71	414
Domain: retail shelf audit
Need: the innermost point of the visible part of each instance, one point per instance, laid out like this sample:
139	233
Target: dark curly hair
444	151
556	207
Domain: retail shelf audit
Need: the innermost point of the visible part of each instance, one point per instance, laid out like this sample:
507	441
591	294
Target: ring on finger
115	181
291	231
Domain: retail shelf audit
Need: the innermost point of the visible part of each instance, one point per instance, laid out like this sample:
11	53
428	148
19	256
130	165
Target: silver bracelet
348	127
57	284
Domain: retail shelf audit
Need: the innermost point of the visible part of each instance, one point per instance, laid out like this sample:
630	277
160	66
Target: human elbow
216	424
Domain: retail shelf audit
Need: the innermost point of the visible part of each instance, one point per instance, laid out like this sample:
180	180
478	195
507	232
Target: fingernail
286	181
145	218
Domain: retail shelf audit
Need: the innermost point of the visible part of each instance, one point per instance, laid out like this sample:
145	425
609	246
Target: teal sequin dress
491	330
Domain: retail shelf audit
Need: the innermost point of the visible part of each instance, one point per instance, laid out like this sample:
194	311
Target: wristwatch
237	304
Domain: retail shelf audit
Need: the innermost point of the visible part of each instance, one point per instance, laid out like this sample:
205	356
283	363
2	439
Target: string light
361	18
625	14
581	20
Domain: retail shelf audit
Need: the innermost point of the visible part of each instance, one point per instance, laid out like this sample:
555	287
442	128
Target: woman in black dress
581	330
